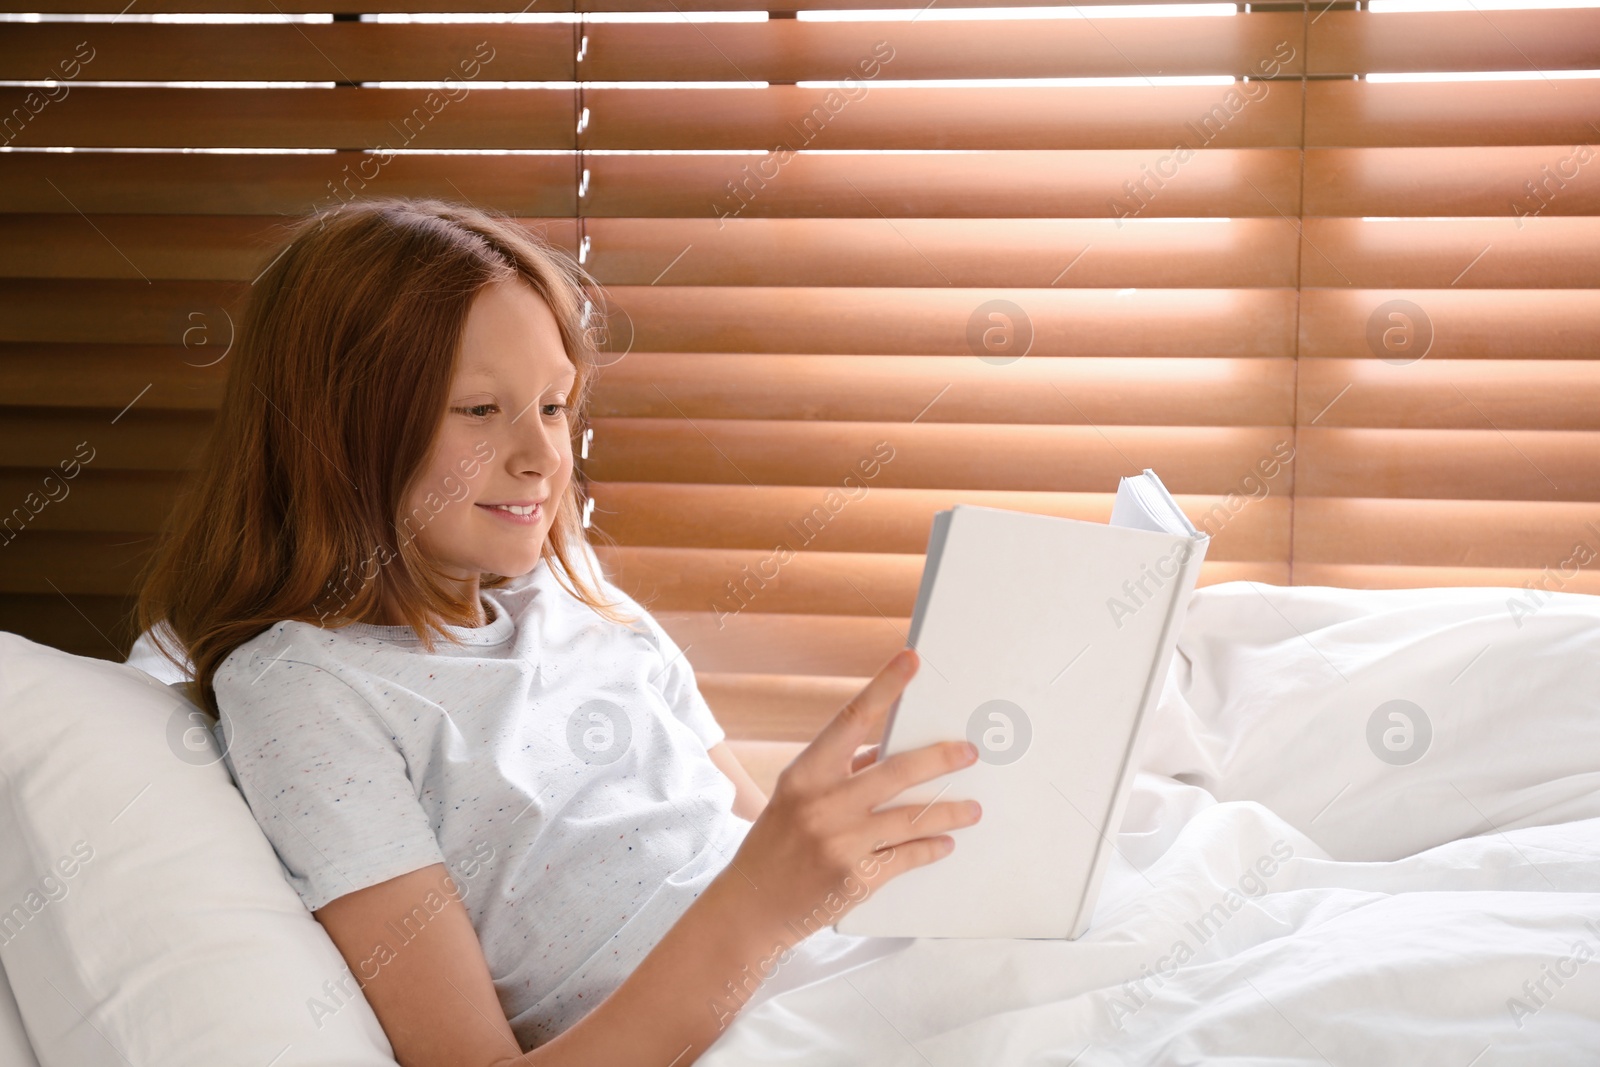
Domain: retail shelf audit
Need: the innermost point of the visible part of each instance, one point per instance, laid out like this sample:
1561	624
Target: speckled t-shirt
556	762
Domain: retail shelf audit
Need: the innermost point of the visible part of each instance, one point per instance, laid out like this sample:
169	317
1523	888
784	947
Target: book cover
1044	640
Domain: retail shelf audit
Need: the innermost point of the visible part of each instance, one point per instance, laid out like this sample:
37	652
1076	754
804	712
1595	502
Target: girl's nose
538	443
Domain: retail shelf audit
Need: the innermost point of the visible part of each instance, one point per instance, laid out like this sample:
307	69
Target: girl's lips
520	520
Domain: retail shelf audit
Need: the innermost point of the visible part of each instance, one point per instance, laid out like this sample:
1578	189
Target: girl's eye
481	410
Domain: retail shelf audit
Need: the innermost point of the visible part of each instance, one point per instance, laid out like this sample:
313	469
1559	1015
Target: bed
1366	831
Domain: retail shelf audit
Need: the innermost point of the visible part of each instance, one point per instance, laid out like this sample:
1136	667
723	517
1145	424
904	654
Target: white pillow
1384	722
147	657
148	918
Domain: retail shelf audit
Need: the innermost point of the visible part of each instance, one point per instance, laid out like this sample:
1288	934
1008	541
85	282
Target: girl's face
505	440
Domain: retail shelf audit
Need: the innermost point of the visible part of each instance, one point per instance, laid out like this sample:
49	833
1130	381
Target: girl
529	840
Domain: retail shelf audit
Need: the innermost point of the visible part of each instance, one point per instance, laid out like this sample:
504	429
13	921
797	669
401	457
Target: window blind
1309	262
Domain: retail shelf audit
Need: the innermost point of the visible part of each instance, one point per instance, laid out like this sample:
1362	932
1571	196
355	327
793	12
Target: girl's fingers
892	860
864	758
908	822
885	779
835	745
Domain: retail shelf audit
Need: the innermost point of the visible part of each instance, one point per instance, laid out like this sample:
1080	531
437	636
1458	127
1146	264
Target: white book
1045	641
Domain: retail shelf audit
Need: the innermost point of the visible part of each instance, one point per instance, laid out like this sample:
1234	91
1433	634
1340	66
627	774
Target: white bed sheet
15	1048
1285	893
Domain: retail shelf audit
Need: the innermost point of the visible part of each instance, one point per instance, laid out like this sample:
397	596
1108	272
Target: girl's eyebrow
491	380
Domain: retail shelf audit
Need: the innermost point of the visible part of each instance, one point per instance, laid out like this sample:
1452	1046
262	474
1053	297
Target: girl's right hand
818	848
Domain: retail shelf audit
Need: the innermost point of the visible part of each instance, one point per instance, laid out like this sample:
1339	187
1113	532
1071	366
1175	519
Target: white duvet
1367	832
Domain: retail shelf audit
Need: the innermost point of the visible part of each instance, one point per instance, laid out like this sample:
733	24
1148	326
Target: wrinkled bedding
1366	831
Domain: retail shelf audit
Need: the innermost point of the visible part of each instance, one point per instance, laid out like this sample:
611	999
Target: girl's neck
486	614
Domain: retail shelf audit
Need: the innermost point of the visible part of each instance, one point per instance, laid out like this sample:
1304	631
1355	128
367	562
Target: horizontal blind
823	289
827	347
1449	396
125	260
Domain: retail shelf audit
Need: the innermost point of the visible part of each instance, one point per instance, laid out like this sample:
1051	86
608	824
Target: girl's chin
514	565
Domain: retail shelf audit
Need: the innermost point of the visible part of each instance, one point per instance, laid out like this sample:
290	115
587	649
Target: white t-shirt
556	762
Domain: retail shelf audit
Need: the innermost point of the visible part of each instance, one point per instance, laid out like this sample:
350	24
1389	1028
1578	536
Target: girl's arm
437	1003
748	799
815	850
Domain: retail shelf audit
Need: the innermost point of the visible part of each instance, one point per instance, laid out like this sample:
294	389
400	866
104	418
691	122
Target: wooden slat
787	116
94	626
764	760
1477	464
1217	183
814	583
780	50
1511	253
99	501
182	183
1466	324
167	247
1038	389
1415	114
333	51
270	7
1112	253
87	563
1193	459
1250	521
779	707
1359	42
1514	580
1488	180
114	312
138	440
775	707
109	376
1239	323
1509	394
780	116
812	5
789	50
1236	323
151	117
69	245
1441	533
787	644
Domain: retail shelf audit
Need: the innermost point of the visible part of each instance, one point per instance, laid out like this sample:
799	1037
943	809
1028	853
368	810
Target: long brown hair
337	392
